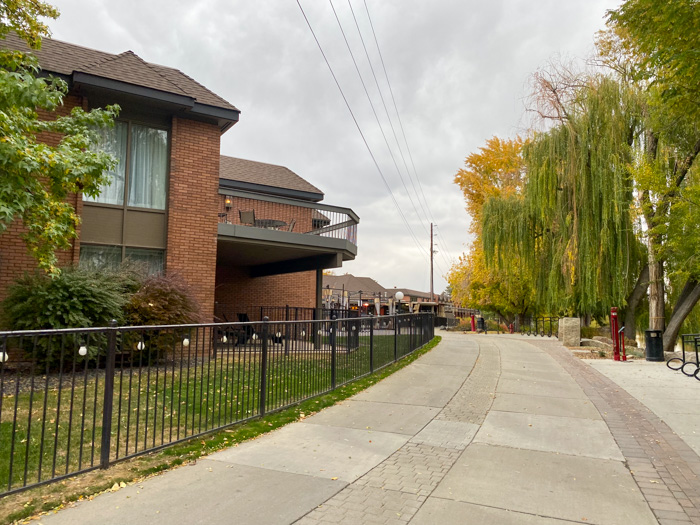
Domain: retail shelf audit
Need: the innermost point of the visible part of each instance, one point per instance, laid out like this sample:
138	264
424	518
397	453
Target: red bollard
614	332
511	328
622	339
473	324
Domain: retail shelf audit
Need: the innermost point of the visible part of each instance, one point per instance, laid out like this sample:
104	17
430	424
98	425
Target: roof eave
270	190
86	79
225	117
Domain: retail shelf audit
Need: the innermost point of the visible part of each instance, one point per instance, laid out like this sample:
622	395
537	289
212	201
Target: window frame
124	206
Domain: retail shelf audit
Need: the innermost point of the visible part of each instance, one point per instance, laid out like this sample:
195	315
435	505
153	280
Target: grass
57	430
44	498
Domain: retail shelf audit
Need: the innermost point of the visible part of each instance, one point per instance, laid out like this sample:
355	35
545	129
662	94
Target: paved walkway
482	430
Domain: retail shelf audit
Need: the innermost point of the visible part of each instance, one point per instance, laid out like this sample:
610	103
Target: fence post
286	330
108	403
334	329
371	346
263	365
397	332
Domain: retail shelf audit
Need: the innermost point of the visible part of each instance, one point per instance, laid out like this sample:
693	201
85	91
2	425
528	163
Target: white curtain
114	142
100	257
149	167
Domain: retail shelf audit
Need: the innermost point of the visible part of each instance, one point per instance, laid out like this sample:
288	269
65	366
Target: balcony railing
287	215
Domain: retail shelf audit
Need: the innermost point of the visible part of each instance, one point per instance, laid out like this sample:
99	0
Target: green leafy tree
661	40
37	178
496	170
574	228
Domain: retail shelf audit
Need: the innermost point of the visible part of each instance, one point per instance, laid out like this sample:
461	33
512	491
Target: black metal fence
541	326
232	313
79	399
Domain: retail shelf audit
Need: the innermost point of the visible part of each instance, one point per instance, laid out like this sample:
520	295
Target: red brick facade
191	249
236	288
192	203
268	210
15	259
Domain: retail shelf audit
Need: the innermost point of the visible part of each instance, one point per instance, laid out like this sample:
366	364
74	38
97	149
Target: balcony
273	235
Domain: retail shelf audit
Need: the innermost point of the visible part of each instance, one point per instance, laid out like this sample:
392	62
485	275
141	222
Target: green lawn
58	430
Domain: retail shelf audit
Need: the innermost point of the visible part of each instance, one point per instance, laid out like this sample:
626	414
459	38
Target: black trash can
480	324
655	345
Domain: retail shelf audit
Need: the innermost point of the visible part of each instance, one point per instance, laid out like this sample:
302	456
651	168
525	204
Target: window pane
100	257
149	163
151	259
113	142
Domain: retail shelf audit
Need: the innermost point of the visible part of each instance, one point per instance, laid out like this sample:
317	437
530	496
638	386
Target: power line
398	116
369	98
391	123
396	109
359	129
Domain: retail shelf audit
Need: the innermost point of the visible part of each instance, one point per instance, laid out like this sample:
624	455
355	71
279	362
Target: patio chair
247	332
291	225
247	217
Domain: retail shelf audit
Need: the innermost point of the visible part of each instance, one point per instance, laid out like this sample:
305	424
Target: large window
127	220
110	257
142	170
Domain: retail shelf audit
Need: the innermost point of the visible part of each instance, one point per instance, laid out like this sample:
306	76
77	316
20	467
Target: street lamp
398	296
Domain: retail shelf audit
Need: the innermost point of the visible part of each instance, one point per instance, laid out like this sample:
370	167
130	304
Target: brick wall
192	205
15	259
268	210
235	287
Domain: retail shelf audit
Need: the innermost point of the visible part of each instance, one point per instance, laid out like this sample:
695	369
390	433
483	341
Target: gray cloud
459	71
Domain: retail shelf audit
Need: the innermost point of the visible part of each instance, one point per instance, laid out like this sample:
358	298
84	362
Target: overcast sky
458	69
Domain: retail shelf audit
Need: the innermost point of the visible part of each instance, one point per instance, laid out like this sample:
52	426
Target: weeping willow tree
575	228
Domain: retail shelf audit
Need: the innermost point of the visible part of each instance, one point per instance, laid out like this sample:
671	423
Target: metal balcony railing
287	215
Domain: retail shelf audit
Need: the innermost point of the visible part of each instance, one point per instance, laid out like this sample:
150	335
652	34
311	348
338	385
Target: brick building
239	232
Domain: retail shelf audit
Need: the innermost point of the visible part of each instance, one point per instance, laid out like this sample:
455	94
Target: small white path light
82	350
4	357
186	342
141	345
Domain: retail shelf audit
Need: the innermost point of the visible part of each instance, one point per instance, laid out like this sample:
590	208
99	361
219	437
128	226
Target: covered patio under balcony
272	250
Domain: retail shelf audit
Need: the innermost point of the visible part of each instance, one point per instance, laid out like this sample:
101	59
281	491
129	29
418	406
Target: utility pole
432	295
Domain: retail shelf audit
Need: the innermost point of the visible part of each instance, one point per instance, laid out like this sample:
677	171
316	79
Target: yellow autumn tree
495	170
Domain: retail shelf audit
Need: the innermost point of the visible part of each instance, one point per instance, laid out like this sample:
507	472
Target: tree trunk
656	290
685	304
639	291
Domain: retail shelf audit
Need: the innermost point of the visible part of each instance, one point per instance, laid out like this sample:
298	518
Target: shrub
161	300
77	298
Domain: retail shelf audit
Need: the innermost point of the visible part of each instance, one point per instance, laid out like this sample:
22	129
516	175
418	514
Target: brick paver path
665	468
393	491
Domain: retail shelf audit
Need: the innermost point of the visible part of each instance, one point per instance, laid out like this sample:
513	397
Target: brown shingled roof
252	172
64	59
129	67
354	284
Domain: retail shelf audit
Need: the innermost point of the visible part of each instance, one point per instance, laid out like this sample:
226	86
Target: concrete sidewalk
483	430
670	394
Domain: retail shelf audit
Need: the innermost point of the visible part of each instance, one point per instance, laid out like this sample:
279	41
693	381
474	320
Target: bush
77	298
162	299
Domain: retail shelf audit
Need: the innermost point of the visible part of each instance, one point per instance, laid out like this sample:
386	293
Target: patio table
270	224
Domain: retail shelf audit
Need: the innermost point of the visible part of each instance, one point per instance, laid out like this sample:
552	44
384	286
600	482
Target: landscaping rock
602	339
570	331
596	343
